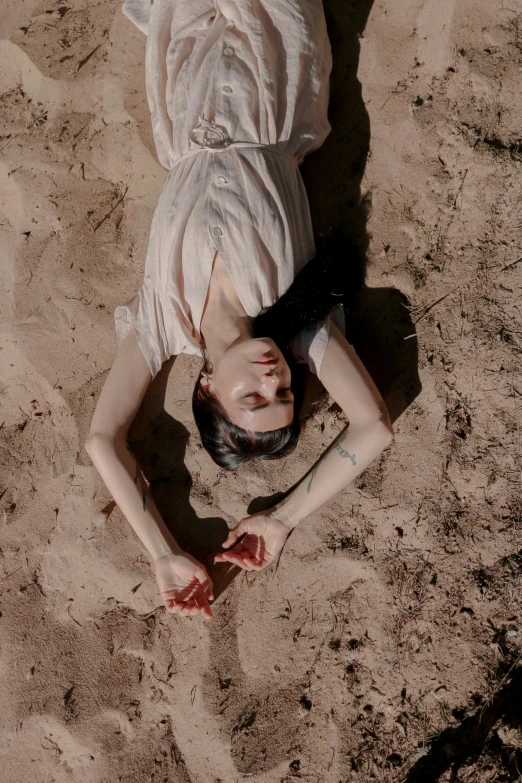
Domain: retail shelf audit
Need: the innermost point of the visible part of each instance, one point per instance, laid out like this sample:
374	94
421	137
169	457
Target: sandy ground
385	646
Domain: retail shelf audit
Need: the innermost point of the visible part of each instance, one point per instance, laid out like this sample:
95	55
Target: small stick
109	213
511	265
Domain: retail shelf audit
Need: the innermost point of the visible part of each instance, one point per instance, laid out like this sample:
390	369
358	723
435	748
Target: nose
270	381
271	375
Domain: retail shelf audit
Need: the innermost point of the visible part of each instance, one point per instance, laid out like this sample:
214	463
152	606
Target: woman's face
252	382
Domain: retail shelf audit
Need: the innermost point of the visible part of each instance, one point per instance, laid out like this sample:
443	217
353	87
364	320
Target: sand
385	646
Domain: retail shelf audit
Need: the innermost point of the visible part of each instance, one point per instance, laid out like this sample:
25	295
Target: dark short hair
231	446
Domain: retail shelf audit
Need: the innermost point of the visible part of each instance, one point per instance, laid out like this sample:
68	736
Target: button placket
228	51
217	177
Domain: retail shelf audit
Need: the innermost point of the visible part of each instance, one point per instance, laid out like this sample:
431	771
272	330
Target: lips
269	361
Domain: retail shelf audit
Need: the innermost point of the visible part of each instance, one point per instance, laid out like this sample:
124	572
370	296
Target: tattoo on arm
342	451
345	454
314	471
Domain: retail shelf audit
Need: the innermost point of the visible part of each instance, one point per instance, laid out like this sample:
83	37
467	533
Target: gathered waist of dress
216	139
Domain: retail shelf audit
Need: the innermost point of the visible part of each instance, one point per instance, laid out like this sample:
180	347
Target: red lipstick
268	361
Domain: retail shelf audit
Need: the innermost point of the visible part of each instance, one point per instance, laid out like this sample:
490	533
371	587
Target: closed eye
255	395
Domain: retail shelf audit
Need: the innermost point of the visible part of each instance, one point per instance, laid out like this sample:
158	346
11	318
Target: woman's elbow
386	431
378	428
98	443
379	424
384	418
389	431
379	420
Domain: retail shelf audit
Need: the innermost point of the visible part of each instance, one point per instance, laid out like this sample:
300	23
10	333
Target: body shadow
159	443
378	323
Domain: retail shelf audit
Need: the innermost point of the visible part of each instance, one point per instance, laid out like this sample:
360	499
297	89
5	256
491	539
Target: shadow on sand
159	443
475	735
380	328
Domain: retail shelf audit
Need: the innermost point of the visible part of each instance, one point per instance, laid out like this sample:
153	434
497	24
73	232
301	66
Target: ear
207	382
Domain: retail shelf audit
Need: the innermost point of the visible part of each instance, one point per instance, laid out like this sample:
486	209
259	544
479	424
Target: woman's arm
367	435
181	578
106	445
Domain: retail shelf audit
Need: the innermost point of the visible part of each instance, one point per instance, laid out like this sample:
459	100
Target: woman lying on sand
238	92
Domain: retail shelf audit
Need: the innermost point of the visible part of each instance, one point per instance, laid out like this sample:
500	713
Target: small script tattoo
314	471
345	454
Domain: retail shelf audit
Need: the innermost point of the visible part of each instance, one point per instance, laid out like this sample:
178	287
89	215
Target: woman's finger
177	600
205	589
202	576
255	547
237	559
181	607
221	557
255	564
203	607
244	564
225	557
231	539
206	611
235	533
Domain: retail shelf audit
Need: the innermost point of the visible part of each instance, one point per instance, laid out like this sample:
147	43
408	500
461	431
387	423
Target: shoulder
311	344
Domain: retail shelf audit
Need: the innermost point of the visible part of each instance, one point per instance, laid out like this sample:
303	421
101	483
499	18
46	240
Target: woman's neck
224	321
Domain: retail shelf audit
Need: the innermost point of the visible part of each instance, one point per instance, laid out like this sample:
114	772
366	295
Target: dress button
221	181
227	89
216	231
228	50
229	25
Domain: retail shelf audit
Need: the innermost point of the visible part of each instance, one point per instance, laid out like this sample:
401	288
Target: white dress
238	95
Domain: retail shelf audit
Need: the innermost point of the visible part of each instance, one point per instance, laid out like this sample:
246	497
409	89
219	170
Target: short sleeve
310	344
144	313
138	11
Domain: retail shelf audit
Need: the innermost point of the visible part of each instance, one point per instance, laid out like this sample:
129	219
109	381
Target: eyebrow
266	404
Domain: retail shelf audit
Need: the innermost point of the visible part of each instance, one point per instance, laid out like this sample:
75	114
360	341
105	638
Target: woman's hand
184	584
264	538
